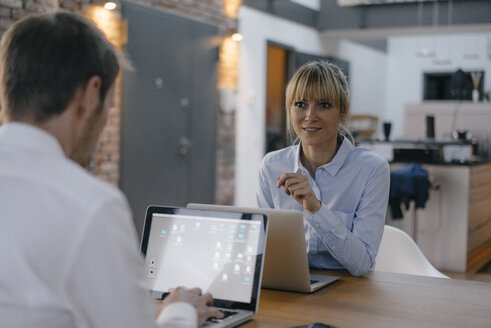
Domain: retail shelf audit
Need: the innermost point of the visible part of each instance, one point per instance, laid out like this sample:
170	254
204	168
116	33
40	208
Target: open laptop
286	265
220	252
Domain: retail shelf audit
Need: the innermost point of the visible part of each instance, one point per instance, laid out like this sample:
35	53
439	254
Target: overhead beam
331	16
407	14
286	9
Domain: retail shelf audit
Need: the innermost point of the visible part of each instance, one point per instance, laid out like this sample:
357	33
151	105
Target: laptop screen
220	252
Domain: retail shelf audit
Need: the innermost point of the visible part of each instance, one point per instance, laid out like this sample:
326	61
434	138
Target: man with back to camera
68	250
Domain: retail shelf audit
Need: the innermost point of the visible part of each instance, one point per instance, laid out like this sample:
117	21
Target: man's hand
297	185
202	303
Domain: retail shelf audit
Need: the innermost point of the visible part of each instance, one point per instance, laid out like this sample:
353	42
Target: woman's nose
309	114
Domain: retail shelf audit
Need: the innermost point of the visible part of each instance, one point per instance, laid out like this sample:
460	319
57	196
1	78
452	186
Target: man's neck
60	126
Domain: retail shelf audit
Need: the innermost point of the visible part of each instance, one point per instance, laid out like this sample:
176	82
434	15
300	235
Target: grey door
169	110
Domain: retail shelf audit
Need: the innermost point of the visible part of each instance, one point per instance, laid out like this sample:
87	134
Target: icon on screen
240	236
231	236
225	277
178	239
163	232
242	226
248	268
217	255
240	255
215	265
198	224
247	279
174	227
236	268
219	244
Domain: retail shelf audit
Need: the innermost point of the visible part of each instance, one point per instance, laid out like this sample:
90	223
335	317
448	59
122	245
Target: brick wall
210	11
106	163
225	159
12	10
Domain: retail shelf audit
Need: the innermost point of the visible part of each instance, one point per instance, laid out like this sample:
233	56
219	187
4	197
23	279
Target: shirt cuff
325	221
179	314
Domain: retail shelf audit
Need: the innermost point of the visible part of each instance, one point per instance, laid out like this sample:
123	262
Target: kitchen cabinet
454	228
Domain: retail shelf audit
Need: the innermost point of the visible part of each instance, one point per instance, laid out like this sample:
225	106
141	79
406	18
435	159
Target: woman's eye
300	104
324	105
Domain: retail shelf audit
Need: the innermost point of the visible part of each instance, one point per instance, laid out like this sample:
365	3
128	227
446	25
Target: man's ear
90	97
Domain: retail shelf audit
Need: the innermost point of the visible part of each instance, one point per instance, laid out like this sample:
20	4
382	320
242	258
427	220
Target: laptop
220	252
286	264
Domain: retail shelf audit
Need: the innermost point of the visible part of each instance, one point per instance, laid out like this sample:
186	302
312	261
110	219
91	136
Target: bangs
320	81
315	84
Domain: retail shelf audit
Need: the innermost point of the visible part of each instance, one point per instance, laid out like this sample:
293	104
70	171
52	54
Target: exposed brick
106	165
11	3
33	7
5	24
5	13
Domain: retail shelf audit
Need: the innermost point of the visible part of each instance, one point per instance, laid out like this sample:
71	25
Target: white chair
399	253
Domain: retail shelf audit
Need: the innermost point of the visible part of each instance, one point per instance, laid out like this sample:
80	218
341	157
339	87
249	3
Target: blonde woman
341	190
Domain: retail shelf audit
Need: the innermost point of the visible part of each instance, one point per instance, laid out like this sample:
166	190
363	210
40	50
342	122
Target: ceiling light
425	52
110	5
237	37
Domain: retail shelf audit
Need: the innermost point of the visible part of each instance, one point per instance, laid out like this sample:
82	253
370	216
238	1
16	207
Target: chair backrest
399	253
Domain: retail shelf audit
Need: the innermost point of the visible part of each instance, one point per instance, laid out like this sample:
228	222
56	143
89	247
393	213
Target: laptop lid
220	252
286	264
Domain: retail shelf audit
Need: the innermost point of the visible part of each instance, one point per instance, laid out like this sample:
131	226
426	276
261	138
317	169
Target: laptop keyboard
226	314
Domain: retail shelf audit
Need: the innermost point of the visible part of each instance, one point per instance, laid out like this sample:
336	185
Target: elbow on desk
359	268
358	272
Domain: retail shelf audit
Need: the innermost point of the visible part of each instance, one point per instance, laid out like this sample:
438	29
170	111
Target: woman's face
315	122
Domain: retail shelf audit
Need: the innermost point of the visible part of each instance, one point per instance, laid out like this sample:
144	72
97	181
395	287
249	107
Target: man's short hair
45	58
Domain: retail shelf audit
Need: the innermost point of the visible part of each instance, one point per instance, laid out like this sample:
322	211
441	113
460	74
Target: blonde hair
324	80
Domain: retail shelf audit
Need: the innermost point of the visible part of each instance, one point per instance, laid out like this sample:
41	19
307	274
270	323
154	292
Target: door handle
185	144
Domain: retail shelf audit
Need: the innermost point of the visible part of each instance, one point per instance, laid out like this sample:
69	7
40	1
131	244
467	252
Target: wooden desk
380	299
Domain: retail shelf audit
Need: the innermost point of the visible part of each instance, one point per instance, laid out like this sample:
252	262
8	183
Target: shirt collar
30	137
298	164
334	165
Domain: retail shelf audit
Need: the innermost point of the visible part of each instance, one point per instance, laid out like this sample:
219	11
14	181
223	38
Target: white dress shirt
68	248
353	189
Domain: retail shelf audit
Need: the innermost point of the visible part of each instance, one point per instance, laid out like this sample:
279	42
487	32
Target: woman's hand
297	185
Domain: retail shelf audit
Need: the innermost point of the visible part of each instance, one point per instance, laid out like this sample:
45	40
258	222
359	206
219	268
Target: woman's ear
343	114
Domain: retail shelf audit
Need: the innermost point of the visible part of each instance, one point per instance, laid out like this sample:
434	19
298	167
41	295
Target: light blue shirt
353	189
